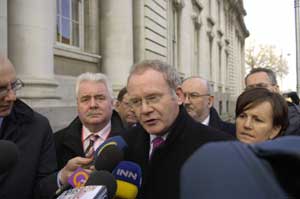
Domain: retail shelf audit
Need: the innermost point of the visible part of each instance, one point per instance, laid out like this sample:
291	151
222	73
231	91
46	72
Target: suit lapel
73	138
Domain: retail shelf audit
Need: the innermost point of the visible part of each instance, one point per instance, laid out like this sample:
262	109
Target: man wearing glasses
34	175
166	135
266	78
124	109
199	104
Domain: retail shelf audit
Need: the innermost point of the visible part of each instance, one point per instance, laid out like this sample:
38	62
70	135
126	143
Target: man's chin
4	113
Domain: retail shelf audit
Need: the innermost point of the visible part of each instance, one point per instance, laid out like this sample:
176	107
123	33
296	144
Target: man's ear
117	105
276	89
211	101
180	95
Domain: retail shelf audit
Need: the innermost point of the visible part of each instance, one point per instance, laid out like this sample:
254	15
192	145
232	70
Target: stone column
30	46
116	40
91	22
3	27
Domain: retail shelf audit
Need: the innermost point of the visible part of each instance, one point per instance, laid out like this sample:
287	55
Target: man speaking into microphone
167	135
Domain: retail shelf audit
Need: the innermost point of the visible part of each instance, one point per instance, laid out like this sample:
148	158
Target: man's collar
102	133
206	120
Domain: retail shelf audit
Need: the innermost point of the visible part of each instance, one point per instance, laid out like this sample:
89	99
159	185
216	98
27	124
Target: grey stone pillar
30	46
3	27
116	40
91	22
297	28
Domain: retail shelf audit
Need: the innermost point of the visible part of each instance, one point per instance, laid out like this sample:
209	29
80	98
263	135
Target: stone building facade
51	42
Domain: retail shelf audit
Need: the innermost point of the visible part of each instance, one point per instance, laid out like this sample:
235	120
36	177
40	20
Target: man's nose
186	99
93	102
145	107
11	95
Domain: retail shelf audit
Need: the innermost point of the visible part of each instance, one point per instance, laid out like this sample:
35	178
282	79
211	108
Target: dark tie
89	151
156	142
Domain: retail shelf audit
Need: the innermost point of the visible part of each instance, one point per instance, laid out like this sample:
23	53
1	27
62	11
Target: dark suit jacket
33	136
161	174
68	140
216	122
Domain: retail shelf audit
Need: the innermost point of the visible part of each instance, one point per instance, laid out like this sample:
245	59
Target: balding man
266	78
199	104
32	134
35	174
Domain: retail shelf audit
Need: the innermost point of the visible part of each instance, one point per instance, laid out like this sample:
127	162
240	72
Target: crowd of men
163	121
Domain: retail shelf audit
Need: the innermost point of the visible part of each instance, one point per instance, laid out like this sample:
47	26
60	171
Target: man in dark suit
96	119
166	135
266	78
32	135
199	104
123	108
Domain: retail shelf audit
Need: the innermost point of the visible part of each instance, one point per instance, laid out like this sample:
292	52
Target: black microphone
9	154
104	178
109	158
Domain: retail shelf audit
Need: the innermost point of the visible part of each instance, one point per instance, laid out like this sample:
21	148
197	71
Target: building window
220	107
175	35
219	14
220	73
69	18
211	58
227	106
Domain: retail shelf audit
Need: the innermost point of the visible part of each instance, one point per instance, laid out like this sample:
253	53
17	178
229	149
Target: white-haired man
96	119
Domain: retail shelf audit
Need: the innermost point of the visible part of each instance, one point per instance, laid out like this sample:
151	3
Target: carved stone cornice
178	4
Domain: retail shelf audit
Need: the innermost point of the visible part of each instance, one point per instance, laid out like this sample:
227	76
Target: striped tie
89	151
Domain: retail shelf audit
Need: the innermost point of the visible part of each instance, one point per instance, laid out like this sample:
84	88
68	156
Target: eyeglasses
259	85
194	95
14	86
149	100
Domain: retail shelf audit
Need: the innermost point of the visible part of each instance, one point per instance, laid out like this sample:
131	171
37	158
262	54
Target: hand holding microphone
106	157
71	167
101	184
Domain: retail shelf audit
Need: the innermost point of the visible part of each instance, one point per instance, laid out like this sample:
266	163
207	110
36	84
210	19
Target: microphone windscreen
116	140
126	190
129	179
8	155
78	178
108	158
103	178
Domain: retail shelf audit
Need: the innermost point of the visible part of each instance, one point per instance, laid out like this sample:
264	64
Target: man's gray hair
269	72
95	77
170	74
208	87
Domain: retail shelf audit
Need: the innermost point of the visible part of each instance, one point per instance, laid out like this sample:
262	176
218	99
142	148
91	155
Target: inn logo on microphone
127	174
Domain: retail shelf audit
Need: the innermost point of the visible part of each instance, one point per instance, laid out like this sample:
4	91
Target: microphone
103	178
8	155
108	158
101	184
116	140
77	179
129	179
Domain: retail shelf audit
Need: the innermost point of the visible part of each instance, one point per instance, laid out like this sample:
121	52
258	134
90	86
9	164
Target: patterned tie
156	142
89	151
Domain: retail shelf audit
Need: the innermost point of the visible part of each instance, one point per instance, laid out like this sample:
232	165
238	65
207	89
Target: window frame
71	22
